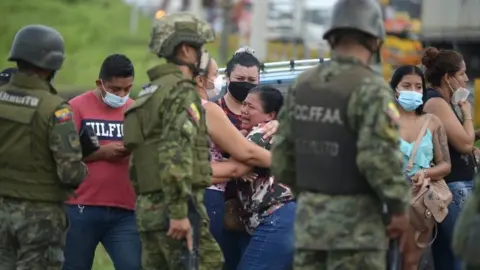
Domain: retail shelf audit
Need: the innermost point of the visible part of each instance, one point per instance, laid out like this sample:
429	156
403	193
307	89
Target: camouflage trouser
160	252
32	235
339	259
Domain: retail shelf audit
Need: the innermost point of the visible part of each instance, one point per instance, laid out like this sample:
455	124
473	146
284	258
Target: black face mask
239	90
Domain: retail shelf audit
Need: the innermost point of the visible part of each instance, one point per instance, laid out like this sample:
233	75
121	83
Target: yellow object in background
160	14
476	102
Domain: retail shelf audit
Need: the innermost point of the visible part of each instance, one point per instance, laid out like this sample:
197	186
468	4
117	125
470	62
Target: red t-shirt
107	183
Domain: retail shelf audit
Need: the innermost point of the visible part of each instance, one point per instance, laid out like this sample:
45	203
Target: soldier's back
32	218
347	230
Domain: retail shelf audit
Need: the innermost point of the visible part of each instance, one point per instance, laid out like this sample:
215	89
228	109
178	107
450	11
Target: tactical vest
143	130
27	168
325	145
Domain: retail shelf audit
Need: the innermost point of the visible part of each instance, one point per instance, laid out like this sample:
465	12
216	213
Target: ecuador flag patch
194	112
63	115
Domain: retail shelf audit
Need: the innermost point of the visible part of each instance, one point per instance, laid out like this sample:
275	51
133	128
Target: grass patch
92	29
102	260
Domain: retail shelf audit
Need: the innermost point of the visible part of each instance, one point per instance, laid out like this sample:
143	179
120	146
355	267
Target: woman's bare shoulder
212	107
435	122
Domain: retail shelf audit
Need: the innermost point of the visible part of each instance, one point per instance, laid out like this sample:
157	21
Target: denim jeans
271	246
215	205
115	228
235	245
443	256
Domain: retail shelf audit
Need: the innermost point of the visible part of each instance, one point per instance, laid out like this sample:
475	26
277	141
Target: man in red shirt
104	209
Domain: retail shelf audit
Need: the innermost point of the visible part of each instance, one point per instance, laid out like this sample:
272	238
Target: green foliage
102	260
92	29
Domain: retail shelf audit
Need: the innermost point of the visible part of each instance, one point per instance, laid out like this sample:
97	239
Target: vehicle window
283	87
320	17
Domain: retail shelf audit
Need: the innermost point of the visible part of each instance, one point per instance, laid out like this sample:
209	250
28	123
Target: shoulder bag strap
417	143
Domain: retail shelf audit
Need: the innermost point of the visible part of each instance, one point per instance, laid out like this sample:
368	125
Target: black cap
6	74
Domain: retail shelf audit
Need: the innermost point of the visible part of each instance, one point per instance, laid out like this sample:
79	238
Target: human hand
398	225
270	128
113	151
249	177
420	179
179	229
466	109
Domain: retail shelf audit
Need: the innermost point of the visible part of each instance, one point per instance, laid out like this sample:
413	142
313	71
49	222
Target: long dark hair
408	70
271	97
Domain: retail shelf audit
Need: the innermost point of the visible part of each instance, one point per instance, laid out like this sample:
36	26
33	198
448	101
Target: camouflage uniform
166	130
343	230
466	238
40	157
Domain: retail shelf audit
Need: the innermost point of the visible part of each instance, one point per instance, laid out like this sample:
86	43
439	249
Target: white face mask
215	89
112	100
211	91
461	94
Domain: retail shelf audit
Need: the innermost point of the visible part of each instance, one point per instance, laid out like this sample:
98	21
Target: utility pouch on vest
19	143
145	156
88	141
325	145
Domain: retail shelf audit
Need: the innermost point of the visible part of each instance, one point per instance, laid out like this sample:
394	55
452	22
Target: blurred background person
445	72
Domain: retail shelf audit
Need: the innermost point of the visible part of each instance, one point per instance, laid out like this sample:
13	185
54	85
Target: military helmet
361	15
182	27
39	45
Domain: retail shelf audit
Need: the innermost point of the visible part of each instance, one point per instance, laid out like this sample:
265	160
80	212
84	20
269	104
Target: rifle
190	259
394	261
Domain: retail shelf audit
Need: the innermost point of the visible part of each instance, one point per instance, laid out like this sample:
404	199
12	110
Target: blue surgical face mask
112	100
409	100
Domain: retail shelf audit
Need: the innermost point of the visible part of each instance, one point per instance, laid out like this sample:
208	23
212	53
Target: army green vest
325	145
143	130
27	168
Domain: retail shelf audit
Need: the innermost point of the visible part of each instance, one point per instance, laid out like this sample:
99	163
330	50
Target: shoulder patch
188	128
393	112
63	115
194	112
148	89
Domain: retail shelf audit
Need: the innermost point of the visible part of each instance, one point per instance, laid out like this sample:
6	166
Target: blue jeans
271	246
235	245
215	205
443	256
115	228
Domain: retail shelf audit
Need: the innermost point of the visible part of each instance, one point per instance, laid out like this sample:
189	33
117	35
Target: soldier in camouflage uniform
466	240
166	131
337	147
40	155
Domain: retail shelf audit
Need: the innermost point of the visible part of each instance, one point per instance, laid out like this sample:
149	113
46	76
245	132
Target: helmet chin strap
199	69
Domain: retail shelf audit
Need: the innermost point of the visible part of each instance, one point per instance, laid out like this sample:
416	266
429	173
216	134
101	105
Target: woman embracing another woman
263	207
